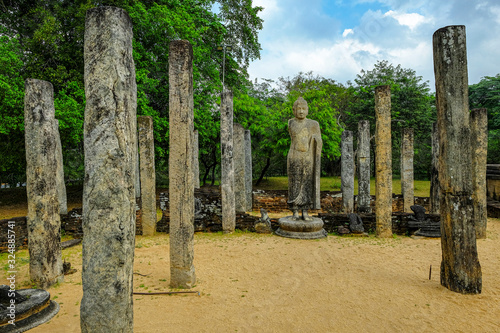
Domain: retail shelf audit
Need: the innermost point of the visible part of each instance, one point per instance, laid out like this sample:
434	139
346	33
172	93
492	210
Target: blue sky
338	38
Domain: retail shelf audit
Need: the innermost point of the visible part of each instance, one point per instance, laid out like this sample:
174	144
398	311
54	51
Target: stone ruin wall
209	212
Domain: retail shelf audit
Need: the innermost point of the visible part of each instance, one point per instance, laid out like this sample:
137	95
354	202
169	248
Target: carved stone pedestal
301	229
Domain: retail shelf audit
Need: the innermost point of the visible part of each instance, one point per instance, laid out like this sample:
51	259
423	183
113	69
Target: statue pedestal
301	229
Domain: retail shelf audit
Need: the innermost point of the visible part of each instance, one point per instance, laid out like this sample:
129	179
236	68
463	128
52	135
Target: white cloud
298	36
347	32
411	20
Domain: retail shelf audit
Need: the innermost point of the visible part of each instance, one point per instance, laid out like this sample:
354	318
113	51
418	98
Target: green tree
11	109
51	35
412	105
486	94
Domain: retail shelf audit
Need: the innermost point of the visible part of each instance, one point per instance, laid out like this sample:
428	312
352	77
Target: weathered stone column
248	171
147	172
364	167
407	181
383	162
460	268
434	198
479	143
110	141
43	219
137	177
180	164
239	168
196	162
227	167
61	185
347	172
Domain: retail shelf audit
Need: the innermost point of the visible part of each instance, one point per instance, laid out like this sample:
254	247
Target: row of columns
110	141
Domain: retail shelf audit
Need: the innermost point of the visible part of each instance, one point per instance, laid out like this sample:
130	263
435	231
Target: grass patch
421	187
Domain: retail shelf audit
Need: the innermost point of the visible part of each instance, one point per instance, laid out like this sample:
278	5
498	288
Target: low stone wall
275	201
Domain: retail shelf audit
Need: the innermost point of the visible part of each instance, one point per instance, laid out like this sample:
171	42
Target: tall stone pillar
227	167
434	199
239	168
137	176
110	141
407	180
248	171
383	162
43	219
61	185
196	162
147	172
347	172
460	268
479	142
180	162
364	167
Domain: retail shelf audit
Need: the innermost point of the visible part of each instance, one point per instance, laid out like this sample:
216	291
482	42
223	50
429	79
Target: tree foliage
486	94
48	37
412	105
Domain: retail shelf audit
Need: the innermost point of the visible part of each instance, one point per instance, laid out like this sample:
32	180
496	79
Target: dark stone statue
356	224
303	161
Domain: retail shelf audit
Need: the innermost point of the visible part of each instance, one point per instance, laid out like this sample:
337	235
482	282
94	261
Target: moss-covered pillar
460	268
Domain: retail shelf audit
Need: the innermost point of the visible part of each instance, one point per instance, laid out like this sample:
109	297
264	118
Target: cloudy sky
338	38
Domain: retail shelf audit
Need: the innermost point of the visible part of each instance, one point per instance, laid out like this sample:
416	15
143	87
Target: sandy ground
266	283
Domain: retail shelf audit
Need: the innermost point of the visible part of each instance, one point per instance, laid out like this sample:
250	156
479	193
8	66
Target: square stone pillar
347	172
383	162
479	142
434	195
227	166
248	171
364	167
407	181
180	165
147	172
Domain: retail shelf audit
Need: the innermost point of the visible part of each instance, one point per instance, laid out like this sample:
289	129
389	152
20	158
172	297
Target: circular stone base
300	229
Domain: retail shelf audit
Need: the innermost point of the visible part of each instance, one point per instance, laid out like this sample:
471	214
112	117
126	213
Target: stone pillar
434	198
364	167
248	171
43	219
227	167
460	268
196	162
407	184
239	167
180	162
137	177
383	162
347	172
479	143
110	141
147	172
61	185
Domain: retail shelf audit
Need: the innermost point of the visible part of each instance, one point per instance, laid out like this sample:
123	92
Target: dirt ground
266	283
